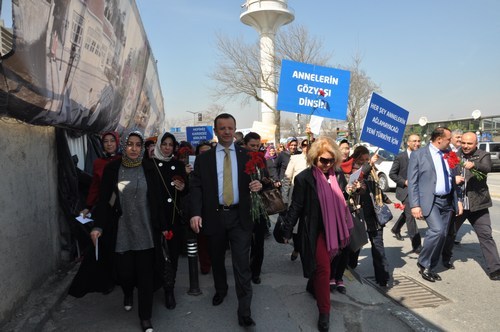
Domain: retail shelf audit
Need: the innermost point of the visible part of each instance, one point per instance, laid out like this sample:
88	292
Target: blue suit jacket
422	181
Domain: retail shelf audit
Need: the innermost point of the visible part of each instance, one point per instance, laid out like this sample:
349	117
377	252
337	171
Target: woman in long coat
172	177
319	206
130	225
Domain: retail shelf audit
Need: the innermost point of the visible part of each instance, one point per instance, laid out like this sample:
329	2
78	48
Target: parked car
384	165
494	149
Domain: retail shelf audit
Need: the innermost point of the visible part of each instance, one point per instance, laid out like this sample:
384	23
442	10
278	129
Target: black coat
99	276
399	174
171	198
477	190
204	196
305	209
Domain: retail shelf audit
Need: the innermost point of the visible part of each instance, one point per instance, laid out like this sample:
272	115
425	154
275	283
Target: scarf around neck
336	217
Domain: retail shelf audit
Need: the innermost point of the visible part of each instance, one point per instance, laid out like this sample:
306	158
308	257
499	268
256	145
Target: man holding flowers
220	207
473	164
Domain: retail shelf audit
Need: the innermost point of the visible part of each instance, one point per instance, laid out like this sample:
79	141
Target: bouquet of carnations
254	168
454	160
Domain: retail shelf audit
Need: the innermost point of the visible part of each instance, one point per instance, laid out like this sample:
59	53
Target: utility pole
194	116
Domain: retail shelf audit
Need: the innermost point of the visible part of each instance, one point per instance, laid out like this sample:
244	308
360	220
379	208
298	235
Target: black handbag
358	236
273	201
278	230
383	213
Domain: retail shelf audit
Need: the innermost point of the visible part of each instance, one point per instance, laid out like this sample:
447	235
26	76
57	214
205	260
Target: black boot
324	322
170	299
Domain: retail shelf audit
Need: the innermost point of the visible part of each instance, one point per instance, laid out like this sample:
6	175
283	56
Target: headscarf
117	140
268	155
158	153
126	161
336	217
347	165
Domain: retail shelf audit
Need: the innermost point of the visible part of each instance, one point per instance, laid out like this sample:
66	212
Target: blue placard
197	134
313	90
385	124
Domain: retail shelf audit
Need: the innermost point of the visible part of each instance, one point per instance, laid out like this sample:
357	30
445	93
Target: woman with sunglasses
319	206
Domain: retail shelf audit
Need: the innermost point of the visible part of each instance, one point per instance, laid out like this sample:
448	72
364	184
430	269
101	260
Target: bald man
477	195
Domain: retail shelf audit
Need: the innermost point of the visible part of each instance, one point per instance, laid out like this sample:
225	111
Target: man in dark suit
220	206
477	200
399	174
434	196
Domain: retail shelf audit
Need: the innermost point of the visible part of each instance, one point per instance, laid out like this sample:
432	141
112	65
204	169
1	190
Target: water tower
266	16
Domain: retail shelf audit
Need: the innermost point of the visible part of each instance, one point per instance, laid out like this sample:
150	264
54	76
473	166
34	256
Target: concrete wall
29	228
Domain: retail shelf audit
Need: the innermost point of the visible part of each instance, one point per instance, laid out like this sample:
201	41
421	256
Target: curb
38	307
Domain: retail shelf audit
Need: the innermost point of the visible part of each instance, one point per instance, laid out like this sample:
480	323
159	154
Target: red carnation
169	235
452	159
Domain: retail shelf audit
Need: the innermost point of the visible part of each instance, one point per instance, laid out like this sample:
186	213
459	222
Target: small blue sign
385	124
175	129
197	134
313	90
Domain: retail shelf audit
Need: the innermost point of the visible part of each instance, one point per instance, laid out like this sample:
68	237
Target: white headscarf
158	153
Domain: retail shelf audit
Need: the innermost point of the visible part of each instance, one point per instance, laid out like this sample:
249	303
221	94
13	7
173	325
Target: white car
384	165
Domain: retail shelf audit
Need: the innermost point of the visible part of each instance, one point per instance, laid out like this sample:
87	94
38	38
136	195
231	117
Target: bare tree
360	91
239	73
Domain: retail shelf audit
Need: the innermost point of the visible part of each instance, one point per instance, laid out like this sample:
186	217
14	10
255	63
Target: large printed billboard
81	64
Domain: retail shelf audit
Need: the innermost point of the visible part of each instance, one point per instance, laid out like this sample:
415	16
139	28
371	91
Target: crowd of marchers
147	197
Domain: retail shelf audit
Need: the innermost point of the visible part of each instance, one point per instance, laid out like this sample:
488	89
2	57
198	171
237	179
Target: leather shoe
436	276
417	250
397	235
449	265
428	275
495	275
256	280
146	325
246	321
170	300
128	302
324	322
218	299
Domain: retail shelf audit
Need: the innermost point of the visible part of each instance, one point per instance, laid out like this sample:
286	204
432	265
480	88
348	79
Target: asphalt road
466	299
471	298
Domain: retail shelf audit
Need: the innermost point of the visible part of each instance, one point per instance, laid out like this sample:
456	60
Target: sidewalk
280	303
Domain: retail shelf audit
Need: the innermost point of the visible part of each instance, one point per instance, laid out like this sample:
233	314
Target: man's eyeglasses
326	161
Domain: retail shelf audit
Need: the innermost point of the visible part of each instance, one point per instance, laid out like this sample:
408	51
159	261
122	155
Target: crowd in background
149	195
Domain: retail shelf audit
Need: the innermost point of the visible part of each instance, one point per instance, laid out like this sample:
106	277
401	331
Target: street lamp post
194	116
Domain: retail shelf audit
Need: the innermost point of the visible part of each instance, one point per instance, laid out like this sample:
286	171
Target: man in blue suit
433	196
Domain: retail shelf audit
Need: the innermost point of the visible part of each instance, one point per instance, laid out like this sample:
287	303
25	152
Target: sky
438	59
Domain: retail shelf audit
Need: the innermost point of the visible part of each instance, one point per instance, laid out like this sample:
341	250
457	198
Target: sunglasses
326	161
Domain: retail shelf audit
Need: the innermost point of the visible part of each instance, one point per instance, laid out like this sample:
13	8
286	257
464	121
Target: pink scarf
336	218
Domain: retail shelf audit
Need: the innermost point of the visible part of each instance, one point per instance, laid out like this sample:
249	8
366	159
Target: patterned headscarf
126	161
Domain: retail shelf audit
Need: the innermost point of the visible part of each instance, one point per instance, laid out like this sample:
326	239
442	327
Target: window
77	29
494	147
